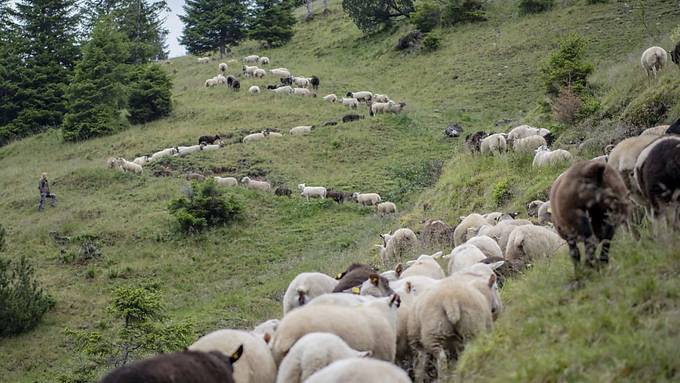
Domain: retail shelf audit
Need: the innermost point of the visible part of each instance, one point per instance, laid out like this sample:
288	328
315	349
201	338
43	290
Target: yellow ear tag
356	290
339	276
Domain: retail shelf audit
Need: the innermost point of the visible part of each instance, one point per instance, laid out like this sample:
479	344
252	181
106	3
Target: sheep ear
267	338
408	287
492	280
375	279
233	358
339	276
399	269
395	301
437	254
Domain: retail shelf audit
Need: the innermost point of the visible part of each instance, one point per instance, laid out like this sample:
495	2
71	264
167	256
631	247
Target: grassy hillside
235	276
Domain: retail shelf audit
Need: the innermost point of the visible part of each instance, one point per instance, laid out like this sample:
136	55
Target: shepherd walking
44	188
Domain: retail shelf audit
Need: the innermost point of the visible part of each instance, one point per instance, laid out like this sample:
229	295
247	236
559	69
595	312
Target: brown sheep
437	233
588	201
657	176
354	276
185	367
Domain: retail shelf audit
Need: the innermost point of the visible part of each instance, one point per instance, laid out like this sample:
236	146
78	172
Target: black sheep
315	82
236	85
474	141
354	276
656	172
675	54
209	139
351	117
282	191
287	81
336	196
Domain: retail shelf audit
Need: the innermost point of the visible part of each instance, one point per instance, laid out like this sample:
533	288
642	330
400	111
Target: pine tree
11	73
213	24
273	22
48	28
150	94
97	94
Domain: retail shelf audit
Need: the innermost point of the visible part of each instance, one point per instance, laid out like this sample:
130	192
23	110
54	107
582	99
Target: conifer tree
273	22
213	24
11	73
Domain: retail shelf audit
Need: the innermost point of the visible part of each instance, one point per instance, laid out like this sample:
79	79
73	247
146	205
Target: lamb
350	102
436	233
544	214
257	185
280	73
425	266
226	181
264	60
532	208
223	67
473	220
303	92
312	353
259	73
301	130
163	153
254	89
360	370
254	137
184	150
209	139
251	59
141	161
305	287
656	173
396	246
354	276
624	157
529	144
367	199
256	364
283	191
527	243
487	245
352	117
249	71
546	157
653	60
369	327
330	98
588	201
463	256
312	191
203	60
315	82
493	144
186	367
386	208
283	90
364	96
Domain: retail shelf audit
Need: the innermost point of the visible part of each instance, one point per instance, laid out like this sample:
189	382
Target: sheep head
245	180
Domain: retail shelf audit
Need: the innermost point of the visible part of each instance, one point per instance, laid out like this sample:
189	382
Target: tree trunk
222	49
308	3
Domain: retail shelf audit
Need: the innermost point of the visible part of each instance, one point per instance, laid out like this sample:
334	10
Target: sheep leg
442	364
607	235
419	369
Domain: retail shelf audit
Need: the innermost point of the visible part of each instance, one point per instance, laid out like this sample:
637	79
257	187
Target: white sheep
360	370
226	181
259	73
364	95
303	92
280	72
305	287
544	214
493	144
283	90
211	147
530	242
203	60
330	98
472	221
380	98
524	131
163	153
655	131
367	199
350	102
257	185
529	144
396	246
385	208
487	245
312	353
254	137
546	157
251	59
223	67
141	161
211	82
301	81
184	150
266	330
532	207
370	326
249	71
394	107
254	89
273	135
264	60
463	256
301	130
128	166
312	191
623	158
256	364
340	299
424	266
653	60
378	108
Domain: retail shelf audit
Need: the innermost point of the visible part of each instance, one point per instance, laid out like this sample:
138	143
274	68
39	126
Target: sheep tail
452	310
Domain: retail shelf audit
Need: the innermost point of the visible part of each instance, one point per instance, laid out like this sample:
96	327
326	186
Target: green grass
235	276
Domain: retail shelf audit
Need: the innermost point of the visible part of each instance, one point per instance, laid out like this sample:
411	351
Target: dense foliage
149	94
372	15
204	206
22	301
567	67
213	24
535	6
272	22
462	11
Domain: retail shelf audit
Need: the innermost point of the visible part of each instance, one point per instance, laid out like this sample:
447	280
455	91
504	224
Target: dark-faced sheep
209	139
474	141
236	85
354	276
185	367
352	117
286	80
675	54
282	191
315	82
588	201
336	196
675	128
657	175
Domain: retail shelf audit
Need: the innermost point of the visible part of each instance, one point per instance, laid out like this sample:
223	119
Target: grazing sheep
194	177
254	137
360	370
203	60
256	364
350	102
529	242
330	98
378	108
128	166
226	181
312	191
380	98
251	59
342	299
223	67
254	184
653	60
236	85
301	130
499	233
283	90
336	196
588	201
283	191
259	73
353	277
367	199
377	286
141	161
266	330
254	89
230	80
493	144
249	71
528	144
209	139
305	287
211	82
624	157
184	150
386	208
394	107
657	176
487	245
315	82
655	131
369	327
301	81
303	92
352	117
463	256
424	266
363	96
280	73
460	234
524	131
436	233
264	60
312	353
287	81
532	208
544	214
474	141
164	153
396	246
185	366
546	157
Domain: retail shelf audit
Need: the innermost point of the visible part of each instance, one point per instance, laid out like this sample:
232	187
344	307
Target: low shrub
205	205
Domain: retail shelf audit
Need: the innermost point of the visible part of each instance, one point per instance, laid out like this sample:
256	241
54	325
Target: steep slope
234	277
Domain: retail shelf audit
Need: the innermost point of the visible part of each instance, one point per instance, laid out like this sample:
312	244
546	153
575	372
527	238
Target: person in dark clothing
44	188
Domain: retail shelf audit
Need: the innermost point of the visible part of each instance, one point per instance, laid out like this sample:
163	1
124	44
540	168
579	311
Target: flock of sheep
369	326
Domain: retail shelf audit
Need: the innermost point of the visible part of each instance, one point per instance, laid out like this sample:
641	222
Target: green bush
372	15
22	301
501	192
654	104
426	17
205	206
431	42
567	67
462	11
535	6
149	95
